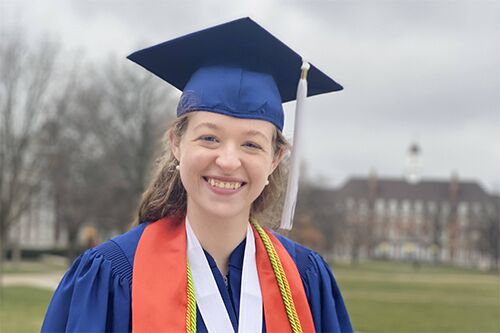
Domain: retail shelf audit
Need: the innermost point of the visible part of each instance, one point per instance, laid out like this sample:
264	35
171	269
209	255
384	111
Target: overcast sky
412	70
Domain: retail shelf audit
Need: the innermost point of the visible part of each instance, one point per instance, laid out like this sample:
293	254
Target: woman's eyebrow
207	124
256	133
213	126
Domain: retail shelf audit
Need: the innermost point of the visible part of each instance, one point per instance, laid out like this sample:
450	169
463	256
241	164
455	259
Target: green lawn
380	296
395	297
22	309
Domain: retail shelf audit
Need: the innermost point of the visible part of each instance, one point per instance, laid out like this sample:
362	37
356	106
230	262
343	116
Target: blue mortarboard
237	69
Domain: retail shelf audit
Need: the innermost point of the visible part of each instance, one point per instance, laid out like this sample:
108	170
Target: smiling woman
225	163
199	260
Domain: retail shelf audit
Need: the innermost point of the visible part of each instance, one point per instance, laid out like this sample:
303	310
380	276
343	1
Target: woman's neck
218	236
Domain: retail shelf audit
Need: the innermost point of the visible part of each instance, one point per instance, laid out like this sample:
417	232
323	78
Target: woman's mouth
226	185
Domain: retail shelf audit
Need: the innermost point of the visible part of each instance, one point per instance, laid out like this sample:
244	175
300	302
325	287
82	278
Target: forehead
216	121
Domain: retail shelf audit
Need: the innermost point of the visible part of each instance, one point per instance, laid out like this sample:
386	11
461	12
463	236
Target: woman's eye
208	138
252	145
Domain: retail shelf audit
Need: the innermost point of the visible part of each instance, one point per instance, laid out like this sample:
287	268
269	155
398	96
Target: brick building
431	220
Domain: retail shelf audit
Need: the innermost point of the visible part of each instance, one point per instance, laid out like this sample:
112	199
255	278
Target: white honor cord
208	298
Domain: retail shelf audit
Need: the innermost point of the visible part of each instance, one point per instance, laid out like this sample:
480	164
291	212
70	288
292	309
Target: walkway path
38	280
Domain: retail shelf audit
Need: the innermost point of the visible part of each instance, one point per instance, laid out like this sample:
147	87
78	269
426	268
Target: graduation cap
239	69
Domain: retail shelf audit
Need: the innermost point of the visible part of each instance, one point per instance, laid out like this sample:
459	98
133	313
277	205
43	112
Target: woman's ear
277	159
174	144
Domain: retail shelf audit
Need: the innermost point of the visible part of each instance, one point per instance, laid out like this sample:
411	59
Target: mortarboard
241	70
227	69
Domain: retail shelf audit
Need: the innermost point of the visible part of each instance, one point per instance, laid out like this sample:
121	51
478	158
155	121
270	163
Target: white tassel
293	177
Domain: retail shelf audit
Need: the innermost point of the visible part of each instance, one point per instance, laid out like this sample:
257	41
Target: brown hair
166	196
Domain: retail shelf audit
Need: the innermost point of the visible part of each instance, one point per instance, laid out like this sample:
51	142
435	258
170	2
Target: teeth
224	185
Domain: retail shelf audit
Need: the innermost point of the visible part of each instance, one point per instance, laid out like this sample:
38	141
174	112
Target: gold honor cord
191	304
285	291
283	284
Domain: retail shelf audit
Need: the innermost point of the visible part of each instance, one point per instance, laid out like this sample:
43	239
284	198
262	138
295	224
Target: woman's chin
224	211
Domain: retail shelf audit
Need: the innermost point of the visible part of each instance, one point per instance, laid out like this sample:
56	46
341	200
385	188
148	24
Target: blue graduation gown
95	293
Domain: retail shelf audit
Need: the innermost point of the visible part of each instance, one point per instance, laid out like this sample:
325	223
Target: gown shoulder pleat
95	293
322	291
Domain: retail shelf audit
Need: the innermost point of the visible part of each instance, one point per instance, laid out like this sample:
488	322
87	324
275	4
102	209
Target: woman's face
225	162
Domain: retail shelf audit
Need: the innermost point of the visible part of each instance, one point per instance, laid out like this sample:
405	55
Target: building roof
425	190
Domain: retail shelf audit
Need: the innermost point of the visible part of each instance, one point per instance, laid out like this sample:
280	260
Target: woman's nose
228	159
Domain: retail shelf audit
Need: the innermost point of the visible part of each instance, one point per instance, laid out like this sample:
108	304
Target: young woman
199	260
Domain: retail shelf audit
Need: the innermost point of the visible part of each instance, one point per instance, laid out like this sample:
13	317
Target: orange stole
274	308
159	282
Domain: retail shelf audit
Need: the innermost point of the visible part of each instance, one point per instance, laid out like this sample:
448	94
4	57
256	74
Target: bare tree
101	139
135	116
24	90
488	242
71	152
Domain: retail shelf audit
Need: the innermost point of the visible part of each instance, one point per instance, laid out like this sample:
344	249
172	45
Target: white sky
425	69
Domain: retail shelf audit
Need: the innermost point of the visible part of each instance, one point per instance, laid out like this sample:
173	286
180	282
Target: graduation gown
95	293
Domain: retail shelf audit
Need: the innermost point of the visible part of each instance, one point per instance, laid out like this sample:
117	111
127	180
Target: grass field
390	297
22	309
380	296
